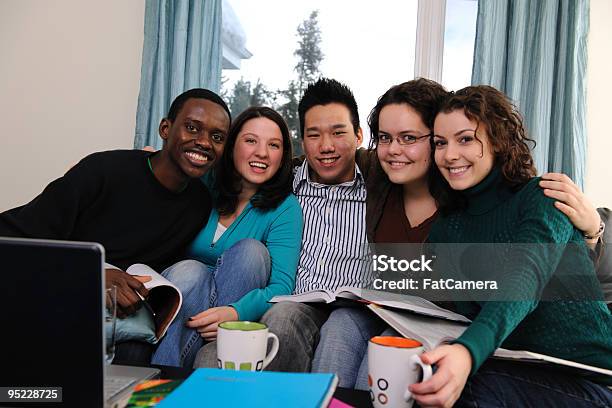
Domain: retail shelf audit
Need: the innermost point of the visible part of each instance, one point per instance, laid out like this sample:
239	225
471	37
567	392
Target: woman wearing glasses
400	208
401	198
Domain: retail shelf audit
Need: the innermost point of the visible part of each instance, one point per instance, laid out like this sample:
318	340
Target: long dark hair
228	182
425	97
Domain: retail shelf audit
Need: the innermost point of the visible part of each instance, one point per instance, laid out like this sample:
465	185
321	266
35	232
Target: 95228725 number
31	394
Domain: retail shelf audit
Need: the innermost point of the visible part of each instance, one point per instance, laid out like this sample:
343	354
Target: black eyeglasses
402	140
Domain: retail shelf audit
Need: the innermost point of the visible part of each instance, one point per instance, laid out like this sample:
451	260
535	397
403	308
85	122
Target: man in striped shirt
331	189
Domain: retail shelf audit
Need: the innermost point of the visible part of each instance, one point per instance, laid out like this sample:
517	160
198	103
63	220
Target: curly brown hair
503	123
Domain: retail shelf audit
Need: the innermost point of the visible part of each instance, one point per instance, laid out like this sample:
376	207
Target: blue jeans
344	343
362	374
243	267
500	383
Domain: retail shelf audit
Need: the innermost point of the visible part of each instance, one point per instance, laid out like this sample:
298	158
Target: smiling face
330	143
258	152
195	138
463	153
406	164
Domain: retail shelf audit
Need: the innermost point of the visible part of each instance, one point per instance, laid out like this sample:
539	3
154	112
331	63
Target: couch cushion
604	269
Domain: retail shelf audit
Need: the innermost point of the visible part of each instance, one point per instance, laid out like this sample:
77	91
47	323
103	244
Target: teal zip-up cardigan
279	229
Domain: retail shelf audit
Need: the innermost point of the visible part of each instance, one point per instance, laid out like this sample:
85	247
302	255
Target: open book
391	300
164	298
433	332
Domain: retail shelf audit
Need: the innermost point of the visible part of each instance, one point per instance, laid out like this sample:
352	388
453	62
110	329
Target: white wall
598	186
69	80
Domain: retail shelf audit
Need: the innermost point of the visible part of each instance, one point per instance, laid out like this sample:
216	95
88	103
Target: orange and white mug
394	363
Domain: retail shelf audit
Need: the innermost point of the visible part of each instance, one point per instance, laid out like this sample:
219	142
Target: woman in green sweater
248	251
481	149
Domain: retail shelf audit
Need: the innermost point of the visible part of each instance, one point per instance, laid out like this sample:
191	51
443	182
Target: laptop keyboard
114	385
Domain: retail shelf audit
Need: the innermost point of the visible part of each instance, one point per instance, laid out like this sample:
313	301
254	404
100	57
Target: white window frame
429	47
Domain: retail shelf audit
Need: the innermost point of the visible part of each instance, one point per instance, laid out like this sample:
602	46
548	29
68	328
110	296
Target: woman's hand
444	387
571	201
207	322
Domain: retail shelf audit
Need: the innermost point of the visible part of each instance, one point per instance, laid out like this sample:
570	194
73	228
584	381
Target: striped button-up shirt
334	242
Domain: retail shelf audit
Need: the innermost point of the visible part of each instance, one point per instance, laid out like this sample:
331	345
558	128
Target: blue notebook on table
212	387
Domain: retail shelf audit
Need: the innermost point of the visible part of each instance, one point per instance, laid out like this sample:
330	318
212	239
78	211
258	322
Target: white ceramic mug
242	345
394	363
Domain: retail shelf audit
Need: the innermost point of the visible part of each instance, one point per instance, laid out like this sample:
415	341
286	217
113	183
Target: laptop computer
52	324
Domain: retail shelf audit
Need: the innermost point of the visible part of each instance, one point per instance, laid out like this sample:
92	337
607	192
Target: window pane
459	34
368	48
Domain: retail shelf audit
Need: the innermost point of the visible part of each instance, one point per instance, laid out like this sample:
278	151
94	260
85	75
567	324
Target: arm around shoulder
572	202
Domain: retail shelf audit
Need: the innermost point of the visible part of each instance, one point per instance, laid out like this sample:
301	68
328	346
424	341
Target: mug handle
416	359
274	350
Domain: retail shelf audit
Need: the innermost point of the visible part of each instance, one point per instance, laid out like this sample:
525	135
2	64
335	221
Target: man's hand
127	286
445	386
572	202
207	322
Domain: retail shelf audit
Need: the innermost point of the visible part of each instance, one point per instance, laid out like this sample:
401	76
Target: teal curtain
182	50
536	53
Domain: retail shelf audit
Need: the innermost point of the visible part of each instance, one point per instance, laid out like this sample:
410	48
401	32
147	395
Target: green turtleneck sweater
576	330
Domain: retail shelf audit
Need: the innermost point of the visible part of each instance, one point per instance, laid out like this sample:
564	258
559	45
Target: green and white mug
242	345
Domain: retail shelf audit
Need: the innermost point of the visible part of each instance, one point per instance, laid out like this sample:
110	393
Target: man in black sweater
142	207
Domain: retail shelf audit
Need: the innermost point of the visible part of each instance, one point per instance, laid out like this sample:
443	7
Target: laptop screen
51	306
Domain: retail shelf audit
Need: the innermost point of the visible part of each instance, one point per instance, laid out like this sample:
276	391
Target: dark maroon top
394	226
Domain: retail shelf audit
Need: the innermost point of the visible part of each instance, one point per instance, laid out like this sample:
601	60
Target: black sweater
113	198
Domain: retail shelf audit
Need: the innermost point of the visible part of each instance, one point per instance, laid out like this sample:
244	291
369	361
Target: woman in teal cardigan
481	150
248	251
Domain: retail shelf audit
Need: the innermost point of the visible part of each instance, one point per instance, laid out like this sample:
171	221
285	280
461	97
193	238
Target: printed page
430	332
164	297
349	292
412	303
156	278
314	296
529	355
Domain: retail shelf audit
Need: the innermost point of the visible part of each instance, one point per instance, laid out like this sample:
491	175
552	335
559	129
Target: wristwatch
599	233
